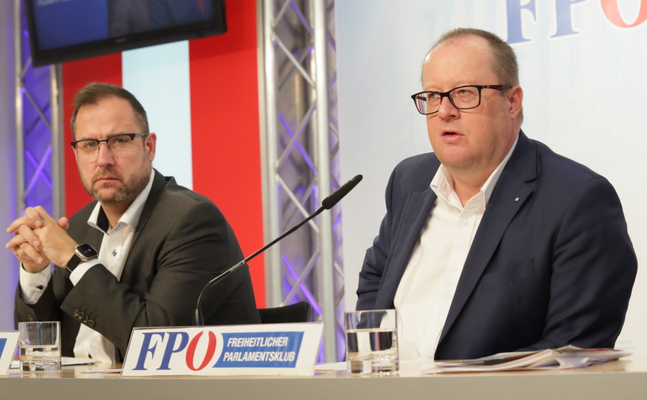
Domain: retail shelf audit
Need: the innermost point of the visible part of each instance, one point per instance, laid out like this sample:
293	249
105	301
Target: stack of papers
551	359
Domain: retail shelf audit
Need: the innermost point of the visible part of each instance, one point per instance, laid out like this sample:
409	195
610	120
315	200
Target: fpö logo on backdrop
563	15
201	349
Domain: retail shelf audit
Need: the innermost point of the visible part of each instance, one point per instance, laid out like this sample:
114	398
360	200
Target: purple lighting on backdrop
304	289
315	194
304	153
335	224
41	172
332	82
36	141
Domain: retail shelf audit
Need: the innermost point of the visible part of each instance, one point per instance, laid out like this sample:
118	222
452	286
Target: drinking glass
371	341
40	346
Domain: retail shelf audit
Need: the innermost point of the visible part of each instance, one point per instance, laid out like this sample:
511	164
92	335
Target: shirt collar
98	219
443	183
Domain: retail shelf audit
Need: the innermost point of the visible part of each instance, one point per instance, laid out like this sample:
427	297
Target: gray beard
126	194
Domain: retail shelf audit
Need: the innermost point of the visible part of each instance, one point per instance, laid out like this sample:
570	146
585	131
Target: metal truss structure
300	140
39	161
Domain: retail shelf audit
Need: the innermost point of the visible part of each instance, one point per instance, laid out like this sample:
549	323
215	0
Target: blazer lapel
159	182
414	218
510	193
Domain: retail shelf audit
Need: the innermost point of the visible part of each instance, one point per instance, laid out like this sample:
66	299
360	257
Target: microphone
327	203
330	201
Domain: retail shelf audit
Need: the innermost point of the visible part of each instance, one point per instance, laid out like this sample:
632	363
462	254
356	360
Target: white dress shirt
113	253
427	288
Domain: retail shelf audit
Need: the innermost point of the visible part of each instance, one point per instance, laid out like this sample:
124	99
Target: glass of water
371	341
40	346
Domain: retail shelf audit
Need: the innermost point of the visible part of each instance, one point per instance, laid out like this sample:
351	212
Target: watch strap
74	261
79	256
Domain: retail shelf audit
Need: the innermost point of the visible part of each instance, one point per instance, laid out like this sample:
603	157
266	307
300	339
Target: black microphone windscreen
330	201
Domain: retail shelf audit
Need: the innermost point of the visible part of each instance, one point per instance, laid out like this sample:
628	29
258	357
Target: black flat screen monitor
66	30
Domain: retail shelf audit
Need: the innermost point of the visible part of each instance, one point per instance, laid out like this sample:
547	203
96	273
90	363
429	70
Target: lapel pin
516	199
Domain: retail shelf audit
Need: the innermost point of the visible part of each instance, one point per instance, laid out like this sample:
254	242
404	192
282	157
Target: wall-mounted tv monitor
65	30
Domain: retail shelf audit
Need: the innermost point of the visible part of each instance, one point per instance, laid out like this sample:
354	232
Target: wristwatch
82	252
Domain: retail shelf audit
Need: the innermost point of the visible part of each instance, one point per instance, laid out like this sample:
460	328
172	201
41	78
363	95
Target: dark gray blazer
181	242
551	263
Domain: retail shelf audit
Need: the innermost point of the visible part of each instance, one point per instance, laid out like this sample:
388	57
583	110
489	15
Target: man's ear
515	97
151	145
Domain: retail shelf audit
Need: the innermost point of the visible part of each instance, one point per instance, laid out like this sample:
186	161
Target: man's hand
39	239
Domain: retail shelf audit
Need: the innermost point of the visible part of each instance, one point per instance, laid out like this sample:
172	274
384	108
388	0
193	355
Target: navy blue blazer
551	263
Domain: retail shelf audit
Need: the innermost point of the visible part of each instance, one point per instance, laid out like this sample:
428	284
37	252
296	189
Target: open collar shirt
427	288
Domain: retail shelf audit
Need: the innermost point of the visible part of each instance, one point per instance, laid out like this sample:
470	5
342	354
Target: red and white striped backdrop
201	97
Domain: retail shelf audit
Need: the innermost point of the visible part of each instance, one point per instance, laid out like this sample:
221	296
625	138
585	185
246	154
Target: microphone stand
326	204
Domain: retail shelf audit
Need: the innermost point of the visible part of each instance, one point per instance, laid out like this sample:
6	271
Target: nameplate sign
267	349
8	344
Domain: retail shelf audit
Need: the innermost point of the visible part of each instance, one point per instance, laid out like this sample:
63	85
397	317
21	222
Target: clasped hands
39	239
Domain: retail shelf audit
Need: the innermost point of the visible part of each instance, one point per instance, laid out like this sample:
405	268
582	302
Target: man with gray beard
138	255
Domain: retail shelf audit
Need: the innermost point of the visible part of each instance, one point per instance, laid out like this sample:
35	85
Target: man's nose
104	155
447	109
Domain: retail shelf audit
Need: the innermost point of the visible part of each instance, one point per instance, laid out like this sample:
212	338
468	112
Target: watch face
87	250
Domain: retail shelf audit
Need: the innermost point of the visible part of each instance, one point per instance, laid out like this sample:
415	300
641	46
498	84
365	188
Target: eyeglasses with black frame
116	143
462	97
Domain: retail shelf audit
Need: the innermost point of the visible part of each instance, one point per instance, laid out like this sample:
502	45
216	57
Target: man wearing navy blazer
493	242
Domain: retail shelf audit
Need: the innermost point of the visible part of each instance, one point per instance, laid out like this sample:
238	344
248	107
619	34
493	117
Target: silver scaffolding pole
269	145
18	73
325	276
300	155
58	160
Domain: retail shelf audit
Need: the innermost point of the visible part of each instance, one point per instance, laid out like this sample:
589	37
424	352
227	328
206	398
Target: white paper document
551	359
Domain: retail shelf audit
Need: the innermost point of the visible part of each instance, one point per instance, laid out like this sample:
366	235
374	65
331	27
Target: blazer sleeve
593	271
45	309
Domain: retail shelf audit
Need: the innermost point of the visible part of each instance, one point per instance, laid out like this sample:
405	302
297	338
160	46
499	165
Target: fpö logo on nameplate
272	349
8	344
